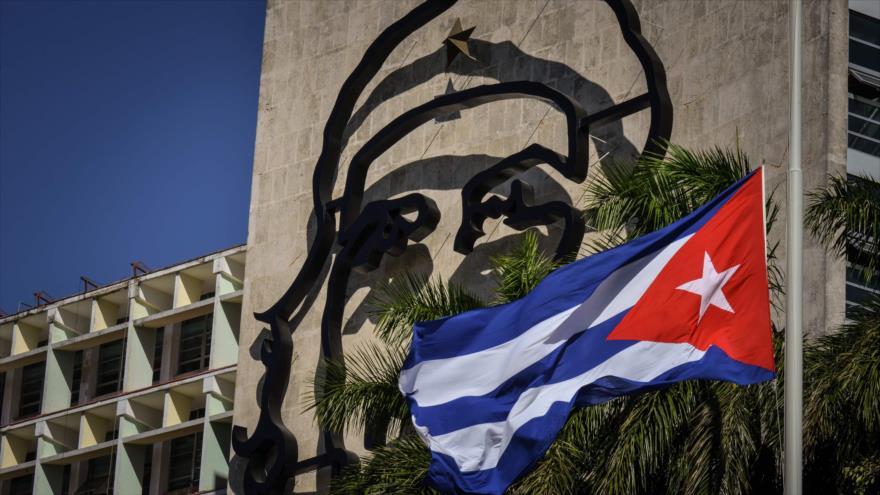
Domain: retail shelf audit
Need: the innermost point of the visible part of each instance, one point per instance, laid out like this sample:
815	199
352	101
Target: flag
490	389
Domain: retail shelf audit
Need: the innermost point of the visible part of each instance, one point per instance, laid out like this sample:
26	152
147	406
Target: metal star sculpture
457	42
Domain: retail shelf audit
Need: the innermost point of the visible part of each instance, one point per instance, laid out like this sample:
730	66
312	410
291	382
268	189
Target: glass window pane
31	391
864	108
110	364
864	145
864	55
864	127
864	27
195	344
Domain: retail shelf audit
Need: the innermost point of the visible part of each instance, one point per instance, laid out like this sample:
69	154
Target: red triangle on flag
714	290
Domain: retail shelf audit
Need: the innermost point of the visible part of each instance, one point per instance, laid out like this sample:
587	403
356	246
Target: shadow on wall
500	61
503	62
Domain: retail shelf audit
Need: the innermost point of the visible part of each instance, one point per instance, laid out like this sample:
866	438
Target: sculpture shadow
504	62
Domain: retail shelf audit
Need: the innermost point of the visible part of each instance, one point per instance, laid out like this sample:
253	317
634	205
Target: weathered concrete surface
727	65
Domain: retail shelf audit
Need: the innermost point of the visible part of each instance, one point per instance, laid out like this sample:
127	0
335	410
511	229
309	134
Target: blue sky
126	133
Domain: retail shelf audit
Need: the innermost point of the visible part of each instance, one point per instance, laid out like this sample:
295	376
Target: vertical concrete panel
187	290
92	430
140	345
128	477
58	381
48	479
104	314
177	408
214	471
224	340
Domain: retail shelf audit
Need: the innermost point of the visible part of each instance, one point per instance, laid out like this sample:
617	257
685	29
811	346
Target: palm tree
842	407
844	215
722	437
363	392
694	437
842	416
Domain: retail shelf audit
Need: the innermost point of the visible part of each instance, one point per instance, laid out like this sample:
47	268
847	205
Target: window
21	485
65	480
864	125
110	364
31	391
112	434
863	141
76	381
858	289
148	469
195	344
157	354
99	477
185	457
864	42
864	84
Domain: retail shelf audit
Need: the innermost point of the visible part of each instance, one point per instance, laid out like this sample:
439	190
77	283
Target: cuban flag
490	389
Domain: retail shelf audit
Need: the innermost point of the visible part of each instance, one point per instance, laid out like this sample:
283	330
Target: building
726	67
124	389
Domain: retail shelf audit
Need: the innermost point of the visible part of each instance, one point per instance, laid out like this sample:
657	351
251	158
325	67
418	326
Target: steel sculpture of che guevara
367	232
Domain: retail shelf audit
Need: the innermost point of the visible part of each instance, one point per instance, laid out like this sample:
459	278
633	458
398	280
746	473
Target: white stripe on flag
439	381
479	447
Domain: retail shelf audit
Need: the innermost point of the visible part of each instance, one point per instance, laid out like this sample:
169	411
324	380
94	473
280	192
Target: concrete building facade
726	63
127	388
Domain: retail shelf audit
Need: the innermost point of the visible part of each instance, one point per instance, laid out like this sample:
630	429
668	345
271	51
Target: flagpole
794	275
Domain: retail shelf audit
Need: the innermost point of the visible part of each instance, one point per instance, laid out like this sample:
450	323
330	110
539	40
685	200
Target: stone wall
727	68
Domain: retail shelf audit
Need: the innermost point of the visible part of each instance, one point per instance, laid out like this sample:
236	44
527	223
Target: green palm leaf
521	270
658	190
360	392
844	216
843	369
401	467
411	298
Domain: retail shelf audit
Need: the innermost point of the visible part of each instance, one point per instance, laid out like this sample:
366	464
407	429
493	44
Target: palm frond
576	451
411	298
844	215
699	463
401	467
360	392
843	370
519	271
646	440
605	240
658	190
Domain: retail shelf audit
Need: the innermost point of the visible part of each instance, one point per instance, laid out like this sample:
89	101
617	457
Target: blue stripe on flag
531	441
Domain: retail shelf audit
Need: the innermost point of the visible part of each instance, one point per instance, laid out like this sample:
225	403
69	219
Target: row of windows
864	124
864	104
863	128
184	464
193	355
864	41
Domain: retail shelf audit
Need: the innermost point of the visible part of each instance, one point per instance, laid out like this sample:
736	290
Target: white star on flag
709	287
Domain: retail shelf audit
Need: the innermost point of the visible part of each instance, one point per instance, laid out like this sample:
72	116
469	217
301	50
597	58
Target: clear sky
126	133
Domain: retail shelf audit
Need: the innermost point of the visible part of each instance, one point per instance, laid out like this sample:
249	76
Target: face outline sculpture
367	232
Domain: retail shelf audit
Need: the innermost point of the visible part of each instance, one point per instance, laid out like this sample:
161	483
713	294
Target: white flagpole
794	275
